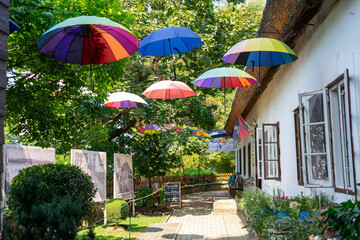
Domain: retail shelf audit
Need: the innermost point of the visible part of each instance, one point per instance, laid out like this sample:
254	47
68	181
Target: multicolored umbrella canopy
217	140
201	133
224	77
170	40
168	89
151	129
260	52
218	133
125	100
68	41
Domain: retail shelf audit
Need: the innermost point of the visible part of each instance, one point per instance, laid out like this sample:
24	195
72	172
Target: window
249	159
300	175
259	155
243	161
342	148
314	139
271	151
237	157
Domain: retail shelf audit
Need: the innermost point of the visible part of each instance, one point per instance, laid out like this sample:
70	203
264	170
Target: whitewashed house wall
325	51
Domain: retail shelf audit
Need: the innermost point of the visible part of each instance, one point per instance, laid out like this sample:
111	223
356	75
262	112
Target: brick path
196	220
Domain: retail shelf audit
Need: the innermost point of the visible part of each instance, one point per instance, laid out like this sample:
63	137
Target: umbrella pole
91	80
224	98
259	76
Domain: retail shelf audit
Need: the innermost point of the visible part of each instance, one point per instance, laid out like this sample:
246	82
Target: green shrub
162	198
343	219
49	201
146	202
117	210
95	213
56	181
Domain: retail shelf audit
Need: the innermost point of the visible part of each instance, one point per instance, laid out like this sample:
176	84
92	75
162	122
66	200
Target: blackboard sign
173	192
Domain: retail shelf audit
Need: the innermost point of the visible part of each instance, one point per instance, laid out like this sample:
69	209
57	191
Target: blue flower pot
268	210
282	216
304	215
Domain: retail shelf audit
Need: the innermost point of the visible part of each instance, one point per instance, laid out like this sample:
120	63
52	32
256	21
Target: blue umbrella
167	41
218	133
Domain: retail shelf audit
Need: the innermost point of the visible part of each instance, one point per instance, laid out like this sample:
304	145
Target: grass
138	225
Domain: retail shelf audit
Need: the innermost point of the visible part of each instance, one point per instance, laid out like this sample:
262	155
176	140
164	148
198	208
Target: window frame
330	181
299	165
343	80
249	159
276	125
259	155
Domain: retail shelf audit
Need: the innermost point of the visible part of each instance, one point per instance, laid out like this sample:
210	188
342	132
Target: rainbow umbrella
224	77
125	100
201	133
260	52
88	40
150	129
168	89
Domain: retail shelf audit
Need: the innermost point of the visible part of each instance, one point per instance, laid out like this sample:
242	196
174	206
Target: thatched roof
282	20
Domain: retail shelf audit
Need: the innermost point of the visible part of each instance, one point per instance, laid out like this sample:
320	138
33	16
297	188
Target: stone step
225	206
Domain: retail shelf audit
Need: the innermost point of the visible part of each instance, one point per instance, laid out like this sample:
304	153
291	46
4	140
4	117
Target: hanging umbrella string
173	62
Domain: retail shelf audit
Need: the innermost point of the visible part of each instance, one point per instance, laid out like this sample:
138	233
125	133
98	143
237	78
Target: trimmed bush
146	202
56	181
117	210
49	201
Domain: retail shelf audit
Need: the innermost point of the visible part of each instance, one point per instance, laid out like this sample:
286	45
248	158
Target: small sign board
173	192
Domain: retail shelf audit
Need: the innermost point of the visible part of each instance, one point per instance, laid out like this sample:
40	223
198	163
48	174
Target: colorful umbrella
171	40
224	77
69	42
217	140
201	133
125	100
150	129
168	89
218	133
260	52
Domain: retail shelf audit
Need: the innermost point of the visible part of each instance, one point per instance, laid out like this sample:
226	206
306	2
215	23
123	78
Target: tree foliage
48	103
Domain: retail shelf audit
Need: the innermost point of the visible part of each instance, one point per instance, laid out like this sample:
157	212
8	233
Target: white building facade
306	123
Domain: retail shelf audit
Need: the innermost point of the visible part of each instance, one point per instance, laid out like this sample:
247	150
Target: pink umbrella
168	89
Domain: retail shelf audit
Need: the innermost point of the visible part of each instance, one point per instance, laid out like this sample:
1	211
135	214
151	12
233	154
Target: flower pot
282	216
304	215
268	210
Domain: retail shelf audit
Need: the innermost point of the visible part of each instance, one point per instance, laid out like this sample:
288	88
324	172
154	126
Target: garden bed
153	211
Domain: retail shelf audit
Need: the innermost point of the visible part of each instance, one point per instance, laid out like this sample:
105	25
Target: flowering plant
282	204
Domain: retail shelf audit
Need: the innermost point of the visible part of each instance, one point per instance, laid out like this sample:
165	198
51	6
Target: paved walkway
199	220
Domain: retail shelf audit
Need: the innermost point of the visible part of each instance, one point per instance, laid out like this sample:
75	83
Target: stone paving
197	220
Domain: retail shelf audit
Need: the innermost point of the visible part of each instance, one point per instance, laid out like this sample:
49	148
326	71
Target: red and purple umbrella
125	100
218	140
88	40
168	89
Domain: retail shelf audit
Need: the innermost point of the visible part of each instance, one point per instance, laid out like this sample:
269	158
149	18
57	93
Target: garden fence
160	181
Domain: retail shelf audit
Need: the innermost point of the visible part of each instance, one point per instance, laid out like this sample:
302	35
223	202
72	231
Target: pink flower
283	197
287	198
276	198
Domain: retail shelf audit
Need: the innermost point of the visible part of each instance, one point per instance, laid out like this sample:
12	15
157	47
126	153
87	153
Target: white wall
323	56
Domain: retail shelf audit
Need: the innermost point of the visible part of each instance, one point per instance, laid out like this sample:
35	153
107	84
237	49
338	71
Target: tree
47	101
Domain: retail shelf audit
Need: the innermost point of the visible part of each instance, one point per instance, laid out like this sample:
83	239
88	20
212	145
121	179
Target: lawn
138	225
